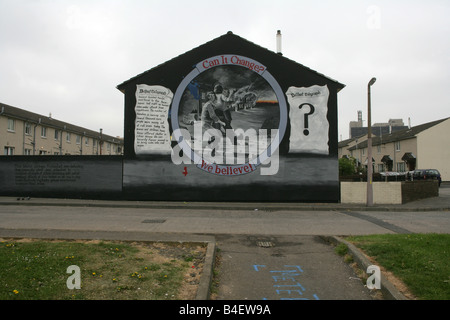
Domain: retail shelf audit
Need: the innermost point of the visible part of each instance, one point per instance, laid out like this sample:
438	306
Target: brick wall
415	190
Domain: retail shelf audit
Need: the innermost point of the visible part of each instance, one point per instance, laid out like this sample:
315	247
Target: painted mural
228	115
248	125
308	119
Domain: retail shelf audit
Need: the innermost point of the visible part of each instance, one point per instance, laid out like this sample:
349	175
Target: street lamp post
369	147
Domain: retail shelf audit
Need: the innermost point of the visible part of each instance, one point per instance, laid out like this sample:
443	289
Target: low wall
299	178
388	192
415	190
383	192
61	176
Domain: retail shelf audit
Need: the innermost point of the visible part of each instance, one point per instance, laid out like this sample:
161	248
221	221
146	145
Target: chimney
279	42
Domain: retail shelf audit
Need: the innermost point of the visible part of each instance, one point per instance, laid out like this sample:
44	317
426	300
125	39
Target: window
379	148
42	152
400	167
43	132
11	125
27	152
86	141
381	167
27	128
68	137
9	151
78	139
56	134
397	146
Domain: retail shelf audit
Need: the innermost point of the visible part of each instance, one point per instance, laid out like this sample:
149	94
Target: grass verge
420	261
38	270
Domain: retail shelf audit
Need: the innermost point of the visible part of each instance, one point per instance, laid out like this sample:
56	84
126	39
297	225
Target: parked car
427	174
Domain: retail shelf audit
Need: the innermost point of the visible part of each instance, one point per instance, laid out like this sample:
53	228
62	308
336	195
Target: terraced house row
425	146
27	133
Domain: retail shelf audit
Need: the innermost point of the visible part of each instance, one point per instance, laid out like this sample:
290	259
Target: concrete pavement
268	250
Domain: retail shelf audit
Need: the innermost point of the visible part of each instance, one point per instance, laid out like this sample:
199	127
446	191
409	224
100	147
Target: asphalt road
250	221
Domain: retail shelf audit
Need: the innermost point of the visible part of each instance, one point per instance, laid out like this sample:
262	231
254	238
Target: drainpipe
101	141
34	136
60	142
23	135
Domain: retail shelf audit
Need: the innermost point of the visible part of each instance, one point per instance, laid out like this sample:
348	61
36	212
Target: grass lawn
421	261
38	270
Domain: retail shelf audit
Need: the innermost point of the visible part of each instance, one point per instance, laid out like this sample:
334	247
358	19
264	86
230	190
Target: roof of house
377	130
399	135
345	143
229	36
31	117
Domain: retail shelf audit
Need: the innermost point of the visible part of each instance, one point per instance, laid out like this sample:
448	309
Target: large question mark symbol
306	131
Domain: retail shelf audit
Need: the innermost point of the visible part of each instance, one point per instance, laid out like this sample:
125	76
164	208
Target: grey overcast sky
66	57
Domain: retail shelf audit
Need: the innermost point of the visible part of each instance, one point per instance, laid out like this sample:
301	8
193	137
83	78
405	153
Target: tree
347	166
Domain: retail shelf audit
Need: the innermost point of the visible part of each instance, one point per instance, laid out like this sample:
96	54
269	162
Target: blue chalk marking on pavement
285	277
288	291
257	266
286	282
290	285
288	266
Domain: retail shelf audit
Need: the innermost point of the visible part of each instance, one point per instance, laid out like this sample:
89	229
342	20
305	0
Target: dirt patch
192	253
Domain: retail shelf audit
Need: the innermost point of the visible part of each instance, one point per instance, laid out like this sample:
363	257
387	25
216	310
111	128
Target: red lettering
208	64
226	170
204	164
248	64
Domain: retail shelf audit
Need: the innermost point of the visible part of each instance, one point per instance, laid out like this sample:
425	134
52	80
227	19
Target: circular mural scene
229	114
